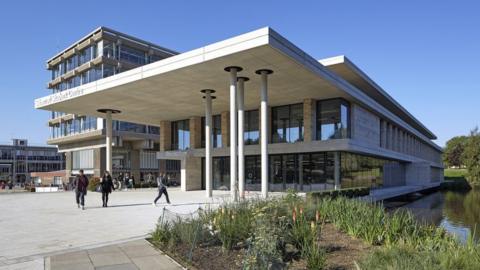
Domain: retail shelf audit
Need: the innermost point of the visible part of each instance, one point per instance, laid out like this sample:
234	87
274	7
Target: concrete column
390	137
395	138
165	136
400	140
241	141
264	128
309	120
109	139
208	141
68	164
109	136
135	164
384	133
336	169
233	130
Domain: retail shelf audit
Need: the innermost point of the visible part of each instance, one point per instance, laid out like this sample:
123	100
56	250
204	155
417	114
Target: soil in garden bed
342	249
342	252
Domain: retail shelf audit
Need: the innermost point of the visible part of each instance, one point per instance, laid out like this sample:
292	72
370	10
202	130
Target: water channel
457	212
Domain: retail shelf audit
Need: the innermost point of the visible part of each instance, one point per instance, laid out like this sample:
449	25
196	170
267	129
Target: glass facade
363	171
180	135
130	127
333	119
153	130
132	55
216	131
73	126
251	131
287	123
305	171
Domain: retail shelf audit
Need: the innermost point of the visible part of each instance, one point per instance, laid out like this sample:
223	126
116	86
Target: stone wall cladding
365	126
165	136
195	125
309	108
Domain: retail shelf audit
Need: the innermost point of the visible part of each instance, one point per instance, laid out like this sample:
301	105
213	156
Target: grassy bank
287	233
456	179
455	174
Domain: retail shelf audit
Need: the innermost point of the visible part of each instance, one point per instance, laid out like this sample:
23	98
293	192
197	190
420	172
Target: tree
453	153
471	156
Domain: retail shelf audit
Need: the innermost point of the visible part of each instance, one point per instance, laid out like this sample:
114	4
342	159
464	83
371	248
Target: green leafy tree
471	156
453	153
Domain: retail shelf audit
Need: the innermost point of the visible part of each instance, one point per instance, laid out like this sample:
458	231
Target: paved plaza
38	225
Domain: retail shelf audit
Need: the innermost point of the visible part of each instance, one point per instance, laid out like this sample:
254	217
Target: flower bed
289	233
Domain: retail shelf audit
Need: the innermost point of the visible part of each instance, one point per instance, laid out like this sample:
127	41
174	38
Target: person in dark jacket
162	189
106	186
80	187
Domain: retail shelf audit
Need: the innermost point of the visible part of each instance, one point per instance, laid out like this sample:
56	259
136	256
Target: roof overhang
346	69
169	89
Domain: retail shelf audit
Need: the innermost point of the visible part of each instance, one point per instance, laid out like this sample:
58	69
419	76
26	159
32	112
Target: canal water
457	212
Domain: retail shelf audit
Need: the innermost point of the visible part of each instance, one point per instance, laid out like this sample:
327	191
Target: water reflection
458	213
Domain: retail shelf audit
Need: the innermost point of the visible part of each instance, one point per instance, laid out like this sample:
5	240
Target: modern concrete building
19	159
274	116
101	54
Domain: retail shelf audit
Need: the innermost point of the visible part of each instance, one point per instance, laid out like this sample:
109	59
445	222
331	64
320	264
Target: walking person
106	185
132	182
126	181
162	189
80	187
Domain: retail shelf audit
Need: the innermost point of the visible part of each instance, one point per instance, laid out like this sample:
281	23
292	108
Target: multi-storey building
101	54
19	159
277	119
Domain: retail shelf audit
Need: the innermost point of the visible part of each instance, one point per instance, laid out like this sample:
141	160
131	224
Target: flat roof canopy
169	89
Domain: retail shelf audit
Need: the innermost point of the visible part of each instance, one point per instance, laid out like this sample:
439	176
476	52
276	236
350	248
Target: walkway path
133	255
391	192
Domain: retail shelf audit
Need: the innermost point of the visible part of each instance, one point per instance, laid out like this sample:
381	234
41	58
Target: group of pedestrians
80	186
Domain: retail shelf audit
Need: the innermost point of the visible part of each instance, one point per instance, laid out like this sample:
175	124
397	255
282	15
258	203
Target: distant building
55	178
19	159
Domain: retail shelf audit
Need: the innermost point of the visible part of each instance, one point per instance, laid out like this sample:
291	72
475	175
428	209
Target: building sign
58	97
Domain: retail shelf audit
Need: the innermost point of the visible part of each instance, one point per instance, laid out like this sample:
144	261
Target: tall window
131	127
216	131
251	133
82	159
180	135
132	55
287	123
333	119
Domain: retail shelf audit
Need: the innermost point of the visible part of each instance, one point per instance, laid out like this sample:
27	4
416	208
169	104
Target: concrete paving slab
71	257
155	263
127	266
74	266
139	251
107	249
103	259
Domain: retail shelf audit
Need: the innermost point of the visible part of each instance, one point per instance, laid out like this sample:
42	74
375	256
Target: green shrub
316	257
233	224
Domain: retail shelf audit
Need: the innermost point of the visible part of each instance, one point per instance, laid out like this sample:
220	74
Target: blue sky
425	54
